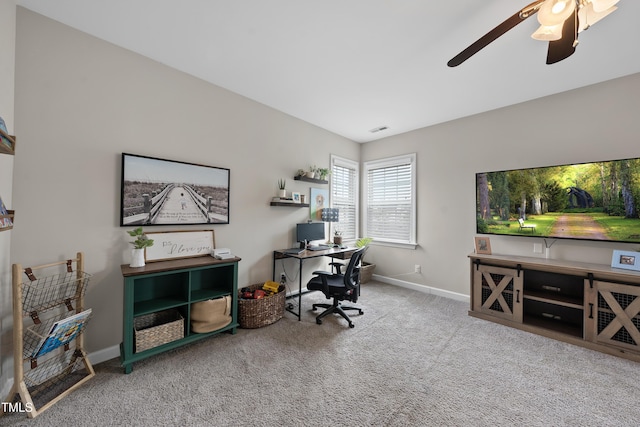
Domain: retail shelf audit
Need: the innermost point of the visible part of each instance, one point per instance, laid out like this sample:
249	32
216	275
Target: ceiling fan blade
483	41
566	46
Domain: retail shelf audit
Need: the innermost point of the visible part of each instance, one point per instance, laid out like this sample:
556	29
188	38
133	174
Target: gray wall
598	122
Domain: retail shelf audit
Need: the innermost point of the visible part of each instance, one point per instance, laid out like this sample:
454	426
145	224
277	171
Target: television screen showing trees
588	201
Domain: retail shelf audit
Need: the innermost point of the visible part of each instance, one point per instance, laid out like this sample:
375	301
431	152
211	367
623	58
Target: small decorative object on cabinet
590	305
483	245
139	245
626	259
48	338
166	290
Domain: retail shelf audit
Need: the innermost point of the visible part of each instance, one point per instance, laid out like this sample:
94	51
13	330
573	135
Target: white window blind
390	199
344	195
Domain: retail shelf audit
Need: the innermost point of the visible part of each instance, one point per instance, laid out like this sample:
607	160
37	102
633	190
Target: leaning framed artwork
483	245
167	192
319	200
626	259
179	244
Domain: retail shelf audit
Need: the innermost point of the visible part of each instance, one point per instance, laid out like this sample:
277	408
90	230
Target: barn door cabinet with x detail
591	305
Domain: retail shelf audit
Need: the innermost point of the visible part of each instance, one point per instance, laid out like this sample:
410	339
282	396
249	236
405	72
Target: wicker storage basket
255	313
154	329
366	272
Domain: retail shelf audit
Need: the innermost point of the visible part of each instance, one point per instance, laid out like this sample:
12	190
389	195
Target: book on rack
5	221
4	134
62	332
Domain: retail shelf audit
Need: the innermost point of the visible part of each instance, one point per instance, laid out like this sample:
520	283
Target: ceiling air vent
379	129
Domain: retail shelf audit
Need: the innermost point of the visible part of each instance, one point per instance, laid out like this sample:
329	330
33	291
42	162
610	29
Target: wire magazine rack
48	344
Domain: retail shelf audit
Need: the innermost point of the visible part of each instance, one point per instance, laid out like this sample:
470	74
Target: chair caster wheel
351	325
314	308
319	322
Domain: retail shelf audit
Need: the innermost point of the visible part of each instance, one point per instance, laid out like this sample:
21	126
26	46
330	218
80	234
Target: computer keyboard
318	248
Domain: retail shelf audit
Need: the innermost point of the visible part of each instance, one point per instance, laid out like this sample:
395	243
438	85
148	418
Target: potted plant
366	269
312	172
337	237
281	185
139	245
323	172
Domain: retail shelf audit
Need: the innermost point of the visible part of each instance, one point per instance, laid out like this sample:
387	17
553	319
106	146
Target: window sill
391	244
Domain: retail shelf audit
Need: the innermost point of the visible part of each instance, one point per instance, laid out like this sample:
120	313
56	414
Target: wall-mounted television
168	192
588	201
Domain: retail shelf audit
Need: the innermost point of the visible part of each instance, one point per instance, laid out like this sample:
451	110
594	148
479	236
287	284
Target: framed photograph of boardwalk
168	192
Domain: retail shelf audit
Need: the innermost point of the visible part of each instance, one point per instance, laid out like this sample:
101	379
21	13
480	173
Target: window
389	200
344	195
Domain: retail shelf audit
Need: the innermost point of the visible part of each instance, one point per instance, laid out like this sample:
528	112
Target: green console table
174	285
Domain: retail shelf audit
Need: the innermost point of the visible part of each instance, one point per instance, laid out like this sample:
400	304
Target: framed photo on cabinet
626	259
483	245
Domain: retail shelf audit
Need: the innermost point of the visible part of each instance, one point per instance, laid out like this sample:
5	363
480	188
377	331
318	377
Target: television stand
590	305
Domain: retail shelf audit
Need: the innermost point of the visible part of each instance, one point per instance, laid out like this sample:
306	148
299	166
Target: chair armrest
338	266
323	273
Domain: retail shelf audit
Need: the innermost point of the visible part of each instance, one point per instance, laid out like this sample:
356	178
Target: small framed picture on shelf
626	259
295	197
483	245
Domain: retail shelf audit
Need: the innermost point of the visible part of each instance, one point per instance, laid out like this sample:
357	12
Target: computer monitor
310	231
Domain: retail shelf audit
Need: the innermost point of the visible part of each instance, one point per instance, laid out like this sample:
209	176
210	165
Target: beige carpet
412	359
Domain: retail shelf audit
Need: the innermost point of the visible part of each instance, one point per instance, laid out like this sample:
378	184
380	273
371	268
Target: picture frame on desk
627	260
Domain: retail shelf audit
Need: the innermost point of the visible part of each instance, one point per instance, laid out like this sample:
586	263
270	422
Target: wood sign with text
179	244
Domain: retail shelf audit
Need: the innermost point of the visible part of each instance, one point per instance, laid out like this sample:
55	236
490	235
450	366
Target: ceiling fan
560	22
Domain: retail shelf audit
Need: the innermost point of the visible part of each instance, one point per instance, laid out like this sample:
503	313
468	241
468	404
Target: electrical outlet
417	269
283	277
537	248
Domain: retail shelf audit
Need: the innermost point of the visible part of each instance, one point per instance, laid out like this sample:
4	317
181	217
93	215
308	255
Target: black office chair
340	287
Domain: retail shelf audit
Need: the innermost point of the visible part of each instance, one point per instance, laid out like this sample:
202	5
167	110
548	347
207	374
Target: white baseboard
422	288
104	354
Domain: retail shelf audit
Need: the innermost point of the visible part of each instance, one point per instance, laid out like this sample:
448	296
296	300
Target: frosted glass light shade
587	16
555	12
548	33
602	5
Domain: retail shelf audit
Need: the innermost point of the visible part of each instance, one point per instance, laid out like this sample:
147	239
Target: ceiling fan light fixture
548	33
602	5
555	12
587	16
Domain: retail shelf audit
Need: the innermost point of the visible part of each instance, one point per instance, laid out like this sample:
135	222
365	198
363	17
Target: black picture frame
158	191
